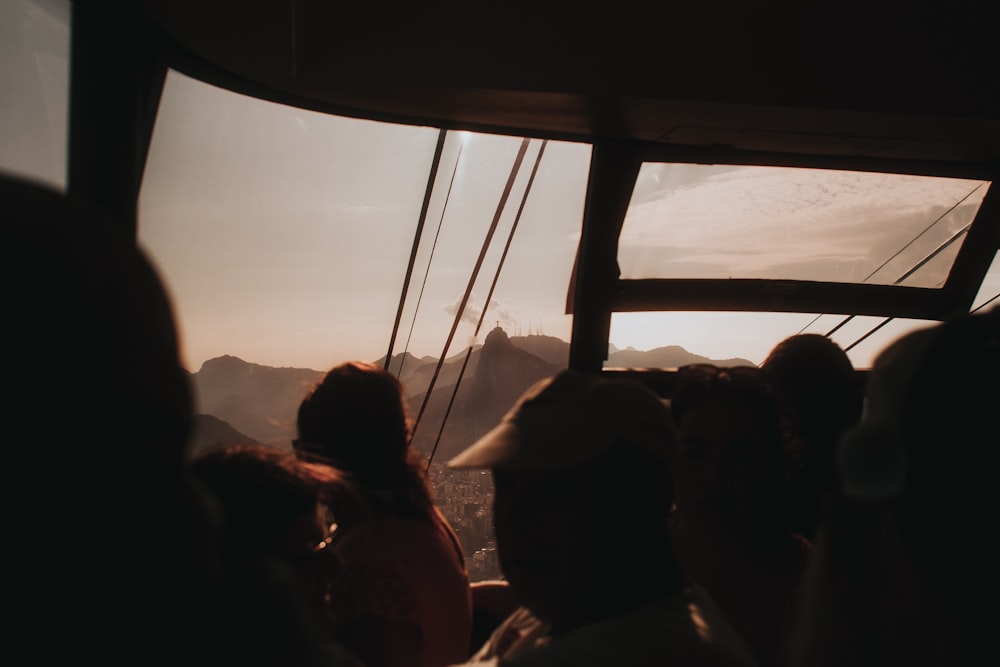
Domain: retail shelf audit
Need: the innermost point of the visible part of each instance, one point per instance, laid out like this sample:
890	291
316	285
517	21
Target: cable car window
989	291
673	339
285	237
722	221
34	77
285	234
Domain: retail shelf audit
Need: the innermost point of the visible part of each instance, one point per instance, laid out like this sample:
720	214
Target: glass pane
284	237
34	78
671	339
989	291
696	221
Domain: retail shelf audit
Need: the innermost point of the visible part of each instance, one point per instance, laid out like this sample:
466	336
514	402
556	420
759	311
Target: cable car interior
701	179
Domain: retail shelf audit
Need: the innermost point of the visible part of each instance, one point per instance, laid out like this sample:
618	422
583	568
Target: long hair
263	490
355	420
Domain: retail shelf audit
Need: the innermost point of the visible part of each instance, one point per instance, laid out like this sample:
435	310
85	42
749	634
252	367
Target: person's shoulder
411	543
520	631
681	629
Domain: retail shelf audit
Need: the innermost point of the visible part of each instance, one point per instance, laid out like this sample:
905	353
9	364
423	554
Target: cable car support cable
430	260
916	267
472	279
901	250
894	256
489	297
431	177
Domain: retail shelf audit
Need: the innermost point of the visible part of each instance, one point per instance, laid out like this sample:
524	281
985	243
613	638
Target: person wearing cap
583	494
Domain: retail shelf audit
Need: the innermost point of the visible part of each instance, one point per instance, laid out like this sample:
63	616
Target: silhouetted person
403	597
726	529
113	555
274	512
820	396
582	473
101	412
902	573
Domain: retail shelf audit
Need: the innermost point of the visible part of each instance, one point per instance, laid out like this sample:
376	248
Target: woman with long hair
404	596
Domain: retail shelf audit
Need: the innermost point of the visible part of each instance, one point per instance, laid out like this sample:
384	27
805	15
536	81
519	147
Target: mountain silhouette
670	356
260	403
551	349
501	374
407	368
210	433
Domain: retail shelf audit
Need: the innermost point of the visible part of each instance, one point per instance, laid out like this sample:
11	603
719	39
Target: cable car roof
894	80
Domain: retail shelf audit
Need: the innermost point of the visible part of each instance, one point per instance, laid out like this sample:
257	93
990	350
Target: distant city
465	497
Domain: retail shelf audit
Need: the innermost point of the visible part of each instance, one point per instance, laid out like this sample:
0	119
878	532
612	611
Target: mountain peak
225	361
497	337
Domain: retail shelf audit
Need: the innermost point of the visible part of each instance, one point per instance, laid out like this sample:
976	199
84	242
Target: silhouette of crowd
755	516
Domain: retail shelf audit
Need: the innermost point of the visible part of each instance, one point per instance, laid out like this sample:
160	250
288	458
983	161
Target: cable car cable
974	310
986	303
919	264
472	279
914	269
431	177
910	272
894	256
430	260
870	332
489	297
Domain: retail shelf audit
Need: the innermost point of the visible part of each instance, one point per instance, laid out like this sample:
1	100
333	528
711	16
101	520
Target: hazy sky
283	235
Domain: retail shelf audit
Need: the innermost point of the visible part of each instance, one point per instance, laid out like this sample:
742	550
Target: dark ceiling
898	80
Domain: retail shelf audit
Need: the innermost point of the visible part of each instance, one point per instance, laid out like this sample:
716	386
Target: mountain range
238	401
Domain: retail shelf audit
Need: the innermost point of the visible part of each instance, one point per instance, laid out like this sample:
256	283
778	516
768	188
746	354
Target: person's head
581	466
94	345
356	418
901	571
101	410
273	508
729	455
925	447
820	396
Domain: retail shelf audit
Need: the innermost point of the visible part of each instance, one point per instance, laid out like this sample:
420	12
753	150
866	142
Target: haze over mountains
239	401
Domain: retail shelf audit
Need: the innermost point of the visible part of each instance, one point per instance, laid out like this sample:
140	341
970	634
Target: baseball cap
570	418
